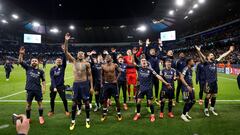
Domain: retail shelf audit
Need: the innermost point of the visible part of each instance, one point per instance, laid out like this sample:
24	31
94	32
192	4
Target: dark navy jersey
33	77
57	74
8	67
96	72
180	65
200	72
123	68
154	61
168	75
187	73
145	76
211	71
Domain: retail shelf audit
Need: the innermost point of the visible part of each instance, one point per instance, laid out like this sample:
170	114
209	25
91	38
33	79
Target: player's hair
35	58
143	56
188	60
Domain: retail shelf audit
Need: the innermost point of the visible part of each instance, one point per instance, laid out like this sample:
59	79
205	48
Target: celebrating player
169	74
82	78
145	74
187	89
180	65
57	83
200	79
210	64
122	83
153	56
96	65
131	73
109	86
33	84
8	69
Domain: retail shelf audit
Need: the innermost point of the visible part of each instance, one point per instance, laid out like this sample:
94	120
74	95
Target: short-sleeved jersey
211	71
187	73
145	76
168	75
123	68
96	72
57	73
34	76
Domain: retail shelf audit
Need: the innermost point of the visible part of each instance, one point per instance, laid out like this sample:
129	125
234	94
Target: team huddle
105	75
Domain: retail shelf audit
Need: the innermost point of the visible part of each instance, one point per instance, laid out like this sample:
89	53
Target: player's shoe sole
41	120
103	118
184	118
136	117
206	113
88	124
213	112
152	118
72	126
161	115
119	117
170	115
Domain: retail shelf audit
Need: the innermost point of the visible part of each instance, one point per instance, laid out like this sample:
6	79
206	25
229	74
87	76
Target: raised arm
21	54
68	55
201	55
140	49
231	49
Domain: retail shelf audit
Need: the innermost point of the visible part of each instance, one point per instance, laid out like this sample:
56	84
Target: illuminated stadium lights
71	27
186	17
15	16
201	1
123	26
190	12
180	2
171	12
36	24
4	21
142	28
54	30
195	6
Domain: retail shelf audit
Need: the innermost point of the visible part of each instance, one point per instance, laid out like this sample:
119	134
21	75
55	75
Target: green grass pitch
227	123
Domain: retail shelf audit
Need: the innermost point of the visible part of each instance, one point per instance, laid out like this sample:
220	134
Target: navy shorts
167	94
187	96
211	88
110	89
148	93
97	87
37	94
81	91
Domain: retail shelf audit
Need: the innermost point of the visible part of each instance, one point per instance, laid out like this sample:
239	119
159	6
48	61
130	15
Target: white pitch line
4	126
228	78
25	90
48	101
